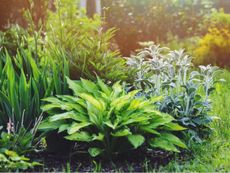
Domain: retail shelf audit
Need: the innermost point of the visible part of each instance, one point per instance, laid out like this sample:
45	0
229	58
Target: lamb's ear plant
109	119
185	88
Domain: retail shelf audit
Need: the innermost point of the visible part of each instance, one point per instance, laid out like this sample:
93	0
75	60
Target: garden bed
135	161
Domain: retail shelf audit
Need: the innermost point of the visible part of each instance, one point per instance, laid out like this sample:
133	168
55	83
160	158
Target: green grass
214	154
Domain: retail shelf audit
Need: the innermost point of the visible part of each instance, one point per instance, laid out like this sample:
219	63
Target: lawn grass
214	154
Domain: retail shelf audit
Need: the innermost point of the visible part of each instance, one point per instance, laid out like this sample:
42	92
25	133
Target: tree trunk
91	7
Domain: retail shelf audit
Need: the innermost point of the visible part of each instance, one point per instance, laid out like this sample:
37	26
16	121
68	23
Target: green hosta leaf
173	139
92	100
135	104
103	87
156	99
95	116
75	86
123	132
117	90
163	144
69	115
159	121
94	152
98	137
52	100
173	127
149	130
80	136
89	86
74	100
77	126
46	125
109	124
63	127
136	140
122	101
167	142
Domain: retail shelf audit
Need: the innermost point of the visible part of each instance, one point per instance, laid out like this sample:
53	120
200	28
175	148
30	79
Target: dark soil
136	161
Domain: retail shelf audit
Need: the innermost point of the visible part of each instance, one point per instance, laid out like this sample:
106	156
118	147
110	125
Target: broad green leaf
103	87
173	139
123	132
173	127
135	104
93	101
98	137
117	90
94	152
76	87
136	140
80	136
46	125
68	115
109	124
163	144
149	130
89	86
63	128
77	126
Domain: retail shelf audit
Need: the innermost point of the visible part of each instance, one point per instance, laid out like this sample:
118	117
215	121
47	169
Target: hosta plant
109	119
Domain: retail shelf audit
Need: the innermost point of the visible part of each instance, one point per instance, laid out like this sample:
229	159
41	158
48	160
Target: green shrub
214	48
109	119
186	90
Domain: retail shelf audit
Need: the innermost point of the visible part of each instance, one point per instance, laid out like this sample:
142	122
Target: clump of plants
185	89
110	120
23	83
13	143
11	161
84	42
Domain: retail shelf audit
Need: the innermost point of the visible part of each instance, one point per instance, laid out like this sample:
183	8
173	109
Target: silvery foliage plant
185	89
